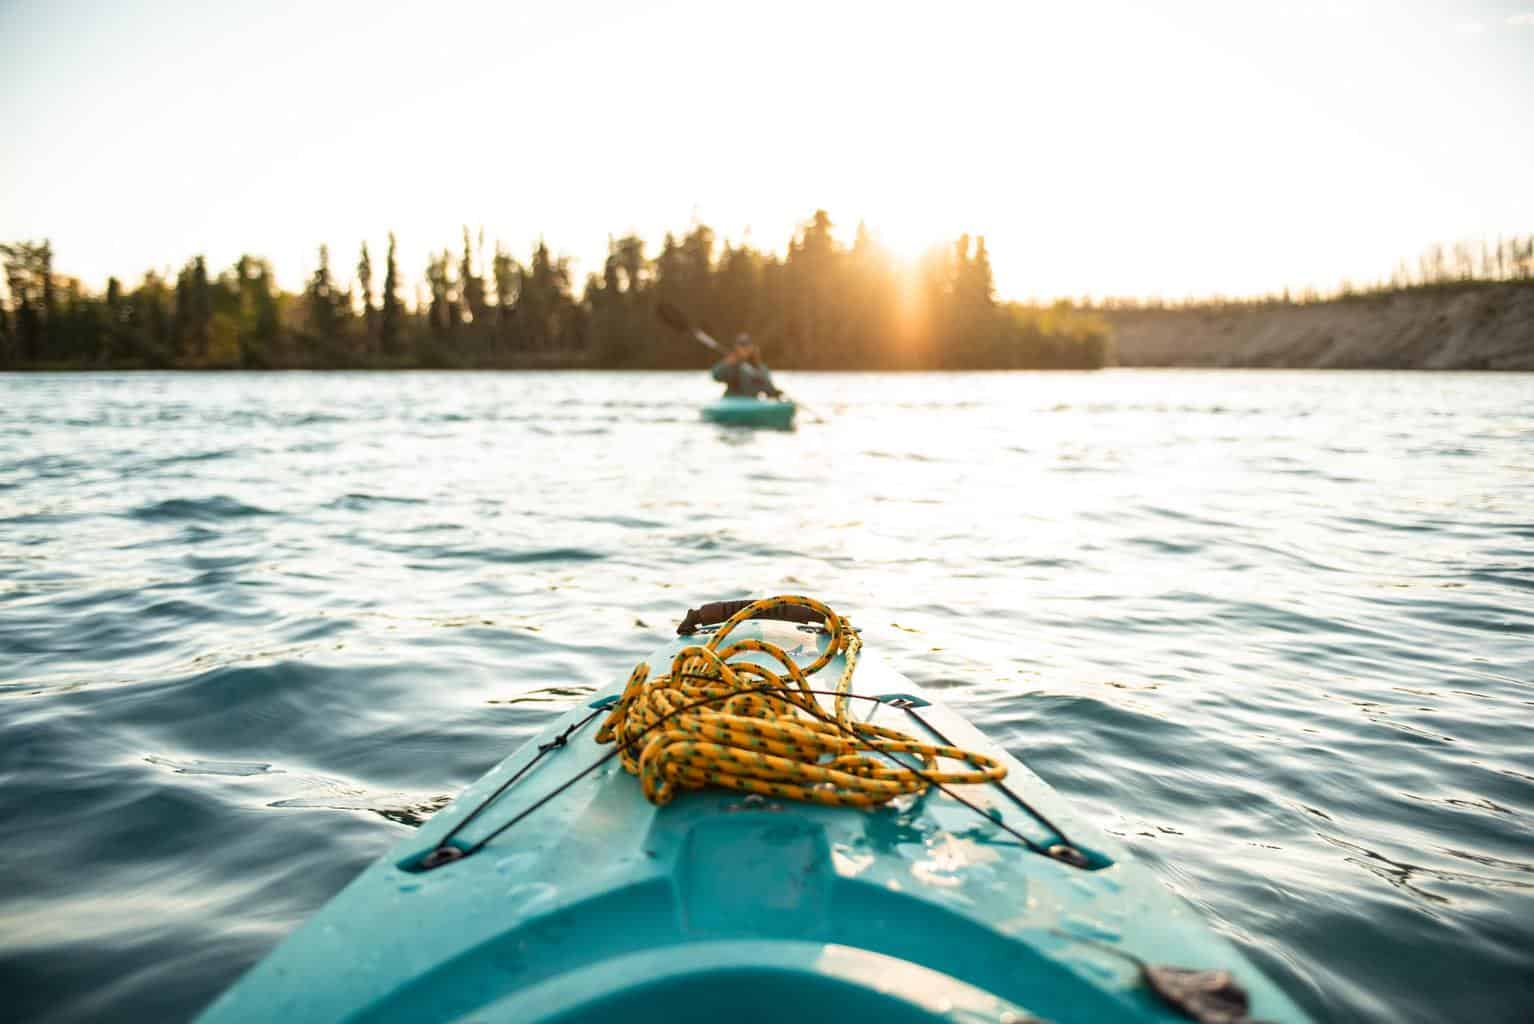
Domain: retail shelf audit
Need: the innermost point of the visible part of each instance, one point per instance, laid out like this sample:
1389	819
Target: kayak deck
597	903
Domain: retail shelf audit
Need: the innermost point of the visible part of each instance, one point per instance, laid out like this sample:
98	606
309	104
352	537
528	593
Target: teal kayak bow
552	890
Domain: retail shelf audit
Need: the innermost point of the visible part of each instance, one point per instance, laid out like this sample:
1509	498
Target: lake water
1275	630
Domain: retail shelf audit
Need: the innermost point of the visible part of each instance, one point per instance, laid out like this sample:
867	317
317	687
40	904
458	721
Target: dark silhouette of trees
547	317
475	304
389	311
819	304
152	304
258	313
443	312
507	276
327	313
29	280
365	286
194	312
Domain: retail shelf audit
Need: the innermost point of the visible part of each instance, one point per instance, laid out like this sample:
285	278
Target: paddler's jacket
744	379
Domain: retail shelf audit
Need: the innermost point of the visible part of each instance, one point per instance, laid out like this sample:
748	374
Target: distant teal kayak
751	412
552	890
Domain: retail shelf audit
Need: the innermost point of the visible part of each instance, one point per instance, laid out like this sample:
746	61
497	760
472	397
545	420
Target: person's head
743	347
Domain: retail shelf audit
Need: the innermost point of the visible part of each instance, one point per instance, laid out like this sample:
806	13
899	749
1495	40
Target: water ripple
1270	628
205	509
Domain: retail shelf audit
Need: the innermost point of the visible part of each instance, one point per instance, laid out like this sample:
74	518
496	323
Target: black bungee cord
445	853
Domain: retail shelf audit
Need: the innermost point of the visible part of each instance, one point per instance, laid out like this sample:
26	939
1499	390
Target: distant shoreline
1468	326
1485	326
87	370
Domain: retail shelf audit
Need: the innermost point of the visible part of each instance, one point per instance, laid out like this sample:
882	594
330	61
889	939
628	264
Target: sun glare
908	241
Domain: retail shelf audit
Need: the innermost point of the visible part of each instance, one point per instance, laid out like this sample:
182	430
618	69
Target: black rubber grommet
1068	855
440	856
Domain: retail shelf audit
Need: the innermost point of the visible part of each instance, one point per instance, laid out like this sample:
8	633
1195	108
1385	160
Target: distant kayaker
743	373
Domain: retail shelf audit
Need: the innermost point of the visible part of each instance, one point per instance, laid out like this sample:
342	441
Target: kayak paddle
673	318
677	320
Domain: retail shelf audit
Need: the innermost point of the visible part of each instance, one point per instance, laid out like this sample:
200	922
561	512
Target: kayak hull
737	411
600	906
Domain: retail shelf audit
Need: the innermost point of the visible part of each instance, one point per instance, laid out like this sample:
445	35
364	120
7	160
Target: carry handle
716	612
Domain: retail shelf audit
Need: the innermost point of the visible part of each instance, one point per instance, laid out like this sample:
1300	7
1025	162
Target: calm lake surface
1274	630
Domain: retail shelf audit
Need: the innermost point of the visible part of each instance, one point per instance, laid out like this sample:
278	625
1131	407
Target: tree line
1464	264
819	305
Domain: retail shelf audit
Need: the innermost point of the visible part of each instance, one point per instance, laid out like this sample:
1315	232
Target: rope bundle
737	724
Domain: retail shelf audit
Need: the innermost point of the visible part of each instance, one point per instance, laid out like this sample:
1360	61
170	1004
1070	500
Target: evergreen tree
115	344
365	283
258	315
629	251
326	311
194	311
697	269
443	313
50	300
154	336
873	303
815	331
508	288
472	287
737	286
28	270
980	281
547	314
389	308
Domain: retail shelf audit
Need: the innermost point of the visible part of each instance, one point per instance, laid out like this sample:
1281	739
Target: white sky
1125	147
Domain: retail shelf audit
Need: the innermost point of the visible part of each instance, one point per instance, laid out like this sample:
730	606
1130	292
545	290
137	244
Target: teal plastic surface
751	412
721	906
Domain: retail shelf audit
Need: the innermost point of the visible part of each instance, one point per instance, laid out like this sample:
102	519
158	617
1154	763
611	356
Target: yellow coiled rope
709	722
